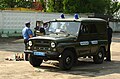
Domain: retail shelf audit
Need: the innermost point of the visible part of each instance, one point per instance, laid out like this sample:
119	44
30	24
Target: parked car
68	39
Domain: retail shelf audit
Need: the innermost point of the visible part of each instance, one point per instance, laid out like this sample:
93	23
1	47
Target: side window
84	29
92	28
101	27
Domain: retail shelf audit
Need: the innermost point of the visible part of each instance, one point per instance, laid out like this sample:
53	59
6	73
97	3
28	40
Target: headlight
52	44
30	43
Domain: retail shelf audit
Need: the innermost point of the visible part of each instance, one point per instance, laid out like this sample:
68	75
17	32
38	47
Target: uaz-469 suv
68	39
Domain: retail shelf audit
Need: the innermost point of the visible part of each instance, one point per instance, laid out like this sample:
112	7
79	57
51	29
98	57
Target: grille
41	48
41	43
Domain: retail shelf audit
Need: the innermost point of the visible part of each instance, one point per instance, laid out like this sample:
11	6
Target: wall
12	22
115	26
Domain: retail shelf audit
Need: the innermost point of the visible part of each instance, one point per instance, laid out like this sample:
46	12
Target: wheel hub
68	60
100	55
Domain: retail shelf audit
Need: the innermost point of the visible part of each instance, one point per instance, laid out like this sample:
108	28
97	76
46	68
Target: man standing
27	33
109	33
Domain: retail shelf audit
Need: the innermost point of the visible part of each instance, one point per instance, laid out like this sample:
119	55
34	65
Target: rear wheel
99	58
34	61
67	60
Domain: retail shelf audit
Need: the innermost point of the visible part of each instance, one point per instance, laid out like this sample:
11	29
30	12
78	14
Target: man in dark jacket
109	33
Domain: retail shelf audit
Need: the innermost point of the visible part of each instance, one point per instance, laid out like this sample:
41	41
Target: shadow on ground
85	68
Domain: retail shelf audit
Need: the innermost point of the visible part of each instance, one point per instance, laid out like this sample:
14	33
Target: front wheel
34	61
67	60
99	58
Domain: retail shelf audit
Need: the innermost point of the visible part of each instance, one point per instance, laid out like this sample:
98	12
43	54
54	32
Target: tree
108	7
24	3
43	5
70	6
55	5
84	6
96	6
7	3
112	7
15	3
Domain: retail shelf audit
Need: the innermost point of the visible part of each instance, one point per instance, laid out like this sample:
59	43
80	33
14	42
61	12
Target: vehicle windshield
64	27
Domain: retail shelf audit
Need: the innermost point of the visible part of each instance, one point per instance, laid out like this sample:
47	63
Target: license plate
39	53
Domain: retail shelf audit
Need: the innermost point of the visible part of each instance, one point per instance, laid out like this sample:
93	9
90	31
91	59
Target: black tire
99	58
67	60
34	61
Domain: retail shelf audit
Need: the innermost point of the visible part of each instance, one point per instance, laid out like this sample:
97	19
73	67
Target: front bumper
48	54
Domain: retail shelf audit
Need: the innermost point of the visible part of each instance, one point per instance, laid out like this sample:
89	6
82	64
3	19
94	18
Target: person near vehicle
36	29
39	29
27	33
109	34
42	29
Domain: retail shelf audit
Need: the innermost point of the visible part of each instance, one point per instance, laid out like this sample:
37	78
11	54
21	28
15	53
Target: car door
84	40
93	37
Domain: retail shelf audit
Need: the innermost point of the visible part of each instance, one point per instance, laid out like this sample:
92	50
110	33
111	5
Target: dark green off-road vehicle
68	39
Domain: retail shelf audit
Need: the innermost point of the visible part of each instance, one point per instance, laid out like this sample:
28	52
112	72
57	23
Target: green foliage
43	4
112	7
24	4
67	6
84	6
50	6
7	4
15	3
55	6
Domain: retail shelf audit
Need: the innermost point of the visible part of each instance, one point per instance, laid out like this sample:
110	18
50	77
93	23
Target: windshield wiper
68	34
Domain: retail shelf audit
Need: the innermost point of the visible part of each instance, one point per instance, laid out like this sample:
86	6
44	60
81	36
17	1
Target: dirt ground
85	69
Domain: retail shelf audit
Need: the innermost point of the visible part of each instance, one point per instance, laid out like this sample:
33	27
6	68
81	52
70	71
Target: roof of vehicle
81	19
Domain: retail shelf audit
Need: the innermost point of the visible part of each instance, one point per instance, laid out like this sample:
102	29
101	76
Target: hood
55	37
